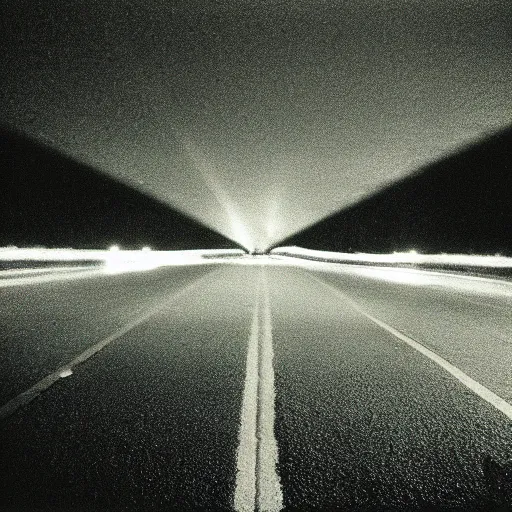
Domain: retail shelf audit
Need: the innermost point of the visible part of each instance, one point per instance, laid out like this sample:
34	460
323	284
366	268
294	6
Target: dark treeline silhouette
460	204
48	199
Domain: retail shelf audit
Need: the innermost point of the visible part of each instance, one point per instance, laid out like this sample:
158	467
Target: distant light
114	248
146	248
412	251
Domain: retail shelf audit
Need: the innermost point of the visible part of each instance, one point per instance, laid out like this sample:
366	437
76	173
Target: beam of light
140	261
392	275
292	122
121	262
43	254
208	173
116	261
396	258
273	219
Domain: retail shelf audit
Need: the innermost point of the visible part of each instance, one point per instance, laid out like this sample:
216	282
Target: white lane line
14	272
66	370
268	489
245	490
48	277
477	388
257	481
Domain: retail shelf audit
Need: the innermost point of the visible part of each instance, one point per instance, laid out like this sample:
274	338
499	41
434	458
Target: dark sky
261	117
48	199
461	204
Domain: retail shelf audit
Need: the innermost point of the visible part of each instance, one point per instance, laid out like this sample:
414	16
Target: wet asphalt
151	422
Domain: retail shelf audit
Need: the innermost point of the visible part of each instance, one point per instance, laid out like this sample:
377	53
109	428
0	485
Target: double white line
257	481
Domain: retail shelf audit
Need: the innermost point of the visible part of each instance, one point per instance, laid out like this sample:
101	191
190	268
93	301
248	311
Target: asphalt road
259	384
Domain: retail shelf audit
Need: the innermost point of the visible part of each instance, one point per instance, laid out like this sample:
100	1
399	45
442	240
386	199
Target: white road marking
66	370
49	277
21	272
245	491
268	491
477	388
257	481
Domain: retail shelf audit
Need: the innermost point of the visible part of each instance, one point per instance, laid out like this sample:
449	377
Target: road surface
257	384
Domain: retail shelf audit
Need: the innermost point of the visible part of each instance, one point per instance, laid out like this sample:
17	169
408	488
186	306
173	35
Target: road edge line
486	394
24	398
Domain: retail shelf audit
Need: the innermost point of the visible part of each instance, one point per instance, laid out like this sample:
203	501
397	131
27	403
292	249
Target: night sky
257	118
50	200
461	204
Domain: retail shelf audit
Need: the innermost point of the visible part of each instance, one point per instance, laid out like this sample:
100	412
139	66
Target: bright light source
146	248
400	276
114	248
412	251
